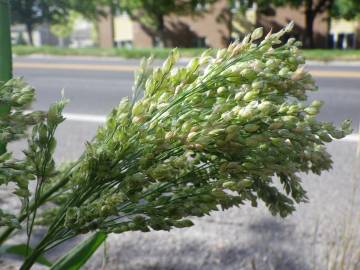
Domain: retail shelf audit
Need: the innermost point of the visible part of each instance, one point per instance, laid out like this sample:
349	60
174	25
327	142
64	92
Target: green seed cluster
15	97
8	220
224	130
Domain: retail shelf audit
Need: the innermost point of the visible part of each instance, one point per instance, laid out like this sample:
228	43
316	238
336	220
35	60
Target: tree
236	19
340	8
64	29
151	13
35	12
347	9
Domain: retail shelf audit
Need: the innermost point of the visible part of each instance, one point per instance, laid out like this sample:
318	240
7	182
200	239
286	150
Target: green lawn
314	54
330	55
119	52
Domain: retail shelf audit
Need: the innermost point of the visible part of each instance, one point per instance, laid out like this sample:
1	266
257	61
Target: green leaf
4	109
79	255
20	250
2	148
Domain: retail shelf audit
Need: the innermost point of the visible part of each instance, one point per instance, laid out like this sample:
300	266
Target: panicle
214	134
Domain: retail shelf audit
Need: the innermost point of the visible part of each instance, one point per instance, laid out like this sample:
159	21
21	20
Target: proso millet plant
214	134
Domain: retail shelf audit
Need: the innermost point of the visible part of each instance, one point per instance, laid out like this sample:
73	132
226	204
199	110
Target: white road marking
351	138
90	118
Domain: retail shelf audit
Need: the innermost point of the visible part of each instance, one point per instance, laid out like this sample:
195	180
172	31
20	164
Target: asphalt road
243	238
94	86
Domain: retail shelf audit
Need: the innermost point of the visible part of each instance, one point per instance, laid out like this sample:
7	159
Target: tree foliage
347	9
35	12
343	8
150	13
65	28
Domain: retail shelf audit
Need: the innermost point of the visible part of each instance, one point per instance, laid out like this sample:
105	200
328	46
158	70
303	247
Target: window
343	40
123	44
199	42
350	41
244	4
202	7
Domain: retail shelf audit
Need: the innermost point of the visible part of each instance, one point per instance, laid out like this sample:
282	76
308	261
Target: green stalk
29	262
39	184
32	206
42	199
51	236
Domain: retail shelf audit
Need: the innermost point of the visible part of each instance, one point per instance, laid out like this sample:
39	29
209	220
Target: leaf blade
21	250
79	255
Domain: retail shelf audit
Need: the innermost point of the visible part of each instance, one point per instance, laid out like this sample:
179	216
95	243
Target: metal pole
5	42
5	57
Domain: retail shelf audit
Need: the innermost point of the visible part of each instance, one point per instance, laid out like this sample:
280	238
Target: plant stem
30	260
50	238
42	199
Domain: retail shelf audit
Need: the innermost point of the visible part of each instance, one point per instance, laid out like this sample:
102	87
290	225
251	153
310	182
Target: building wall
141	38
213	27
210	28
357	36
244	24
123	29
283	15
105	29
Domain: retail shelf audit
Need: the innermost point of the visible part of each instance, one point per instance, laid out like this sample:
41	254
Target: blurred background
91	49
135	24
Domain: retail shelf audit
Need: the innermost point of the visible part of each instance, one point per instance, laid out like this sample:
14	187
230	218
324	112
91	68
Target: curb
333	63
181	61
